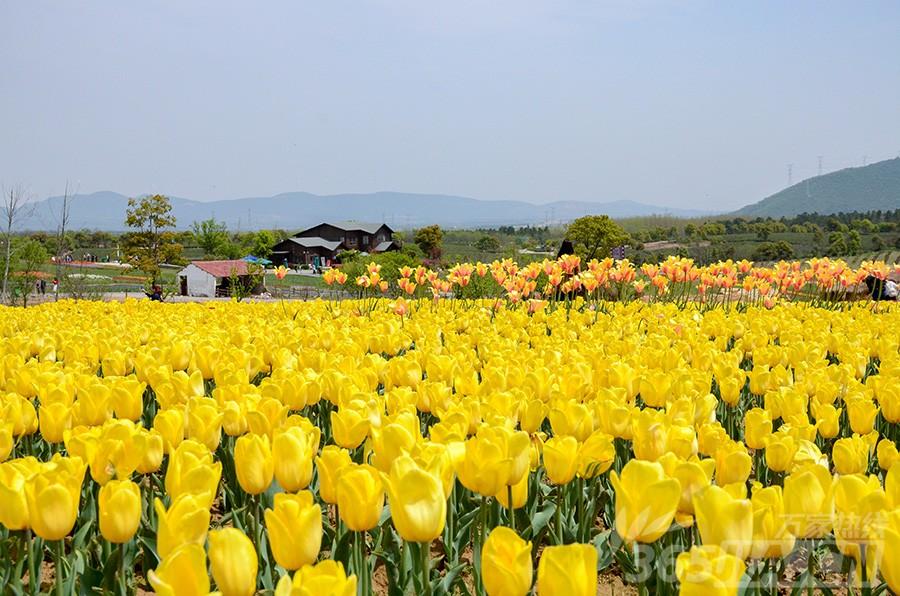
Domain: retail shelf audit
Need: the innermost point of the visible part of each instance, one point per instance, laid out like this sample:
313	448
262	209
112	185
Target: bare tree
62	223
14	207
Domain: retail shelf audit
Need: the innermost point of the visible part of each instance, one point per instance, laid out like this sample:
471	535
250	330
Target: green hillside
869	188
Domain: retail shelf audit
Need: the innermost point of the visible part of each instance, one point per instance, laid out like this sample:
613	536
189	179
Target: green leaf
542	518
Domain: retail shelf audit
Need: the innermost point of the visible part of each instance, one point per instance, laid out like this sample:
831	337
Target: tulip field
660	441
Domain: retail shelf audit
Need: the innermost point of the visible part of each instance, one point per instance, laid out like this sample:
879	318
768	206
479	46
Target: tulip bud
569	570
183	571
506	564
233	562
329	465
295	529
293	452
120	510
360	497
185	522
253	463
417	500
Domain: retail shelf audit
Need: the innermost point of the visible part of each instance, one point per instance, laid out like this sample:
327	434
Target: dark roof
369	228
386	245
315	242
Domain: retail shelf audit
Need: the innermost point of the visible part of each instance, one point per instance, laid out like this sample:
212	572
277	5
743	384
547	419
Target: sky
677	103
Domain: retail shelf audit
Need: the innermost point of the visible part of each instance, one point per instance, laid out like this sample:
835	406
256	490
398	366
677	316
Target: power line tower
790	174
820	165
865	160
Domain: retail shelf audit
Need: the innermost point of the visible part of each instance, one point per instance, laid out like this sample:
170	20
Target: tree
595	236
27	261
773	251
854	242
263	241
836	244
210	236
429	240
14	207
152	242
487	244
878	243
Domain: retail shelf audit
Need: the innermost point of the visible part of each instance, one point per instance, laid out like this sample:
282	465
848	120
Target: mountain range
868	188
296	210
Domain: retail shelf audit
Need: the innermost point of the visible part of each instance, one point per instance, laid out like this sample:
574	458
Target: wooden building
321	244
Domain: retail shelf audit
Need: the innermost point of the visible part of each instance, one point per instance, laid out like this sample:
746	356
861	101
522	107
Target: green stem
426	580
33	583
559	504
58	562
123	577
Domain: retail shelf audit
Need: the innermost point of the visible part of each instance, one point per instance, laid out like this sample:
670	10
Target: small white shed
202	278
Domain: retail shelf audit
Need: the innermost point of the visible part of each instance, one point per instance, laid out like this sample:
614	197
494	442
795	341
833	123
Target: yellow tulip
771	538
757	428
862	413
828	421
733	464
253	463
485	468
596	455
151	447
569	570
887	454
859	503
519	494
293	450
391	441
571	418
708	571
53	497
233	562
181	573
417	500
55	419
329	464
204	423
170	424
120	510
295	529
349	427
561	459
655	387
714	504
192	471
692	476
780	451
13	505
6	440
128	398
850	455
185	522
506	568
326	578
360	497
532	415
809	501
646	501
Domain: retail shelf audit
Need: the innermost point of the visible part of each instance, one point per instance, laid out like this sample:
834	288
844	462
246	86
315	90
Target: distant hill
868	188
106	211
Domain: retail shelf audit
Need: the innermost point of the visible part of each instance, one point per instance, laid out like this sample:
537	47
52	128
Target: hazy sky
689	103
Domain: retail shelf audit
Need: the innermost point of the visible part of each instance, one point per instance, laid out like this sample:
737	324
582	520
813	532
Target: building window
366	240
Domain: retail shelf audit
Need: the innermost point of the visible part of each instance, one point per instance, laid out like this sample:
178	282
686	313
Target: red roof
222	268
